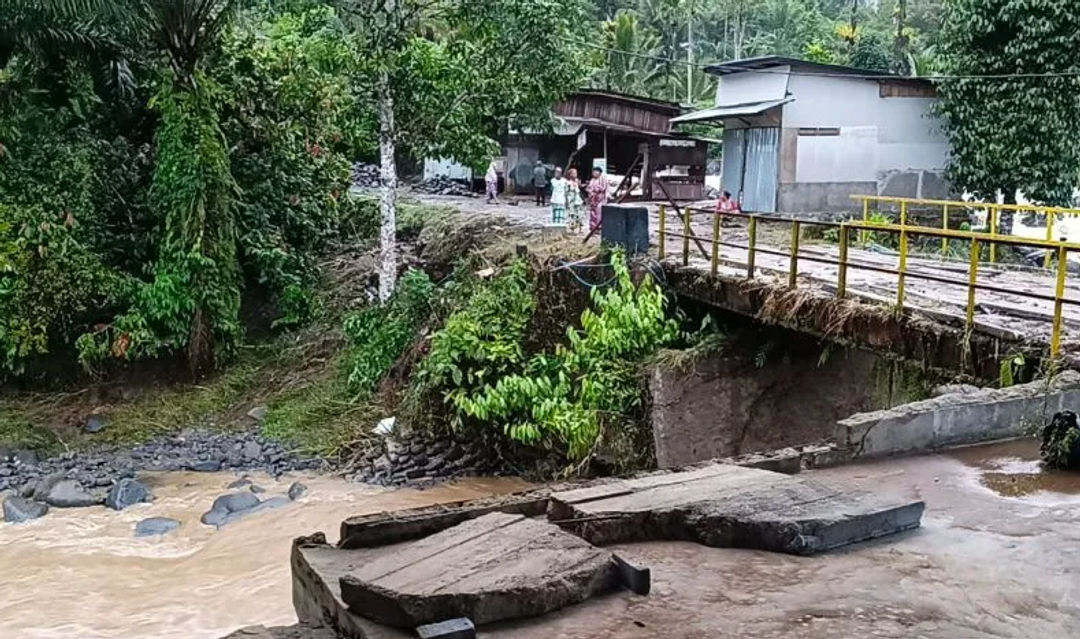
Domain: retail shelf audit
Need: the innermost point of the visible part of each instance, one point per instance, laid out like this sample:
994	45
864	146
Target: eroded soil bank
80	572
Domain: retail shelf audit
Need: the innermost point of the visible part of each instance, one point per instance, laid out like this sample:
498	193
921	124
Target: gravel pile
443	186
365	176
190	450
422	460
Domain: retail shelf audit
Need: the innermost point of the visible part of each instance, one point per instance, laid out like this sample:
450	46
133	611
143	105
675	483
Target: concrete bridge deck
1014	304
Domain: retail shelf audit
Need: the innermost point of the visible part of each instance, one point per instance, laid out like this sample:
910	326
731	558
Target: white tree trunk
387	190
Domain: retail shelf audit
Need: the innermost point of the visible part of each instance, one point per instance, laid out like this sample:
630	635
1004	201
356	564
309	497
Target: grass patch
18	433
322	417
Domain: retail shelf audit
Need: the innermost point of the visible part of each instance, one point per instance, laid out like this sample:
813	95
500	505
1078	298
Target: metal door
762	165
734	157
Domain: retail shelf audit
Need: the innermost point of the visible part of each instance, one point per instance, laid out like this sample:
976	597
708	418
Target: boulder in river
153	526
19	509
243	482
297	490
266	504
69	493
227	505
206	466
127	492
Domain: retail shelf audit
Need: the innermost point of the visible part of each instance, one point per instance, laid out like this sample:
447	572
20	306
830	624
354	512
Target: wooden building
628	136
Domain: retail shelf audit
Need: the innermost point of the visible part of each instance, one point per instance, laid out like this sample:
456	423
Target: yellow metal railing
1058	250
993	215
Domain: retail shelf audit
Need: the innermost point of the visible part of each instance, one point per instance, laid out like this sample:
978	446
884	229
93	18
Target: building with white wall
803	137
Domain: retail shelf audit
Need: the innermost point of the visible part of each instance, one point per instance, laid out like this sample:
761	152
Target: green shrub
558	401
380	334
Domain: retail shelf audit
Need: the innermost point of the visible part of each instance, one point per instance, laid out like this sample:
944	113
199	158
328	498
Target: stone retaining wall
959	418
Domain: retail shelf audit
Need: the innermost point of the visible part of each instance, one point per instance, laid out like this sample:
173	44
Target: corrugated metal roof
730	111
770	61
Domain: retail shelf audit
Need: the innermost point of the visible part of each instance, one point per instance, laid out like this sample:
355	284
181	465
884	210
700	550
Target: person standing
491	181
575	206
559	190
540	183
598	194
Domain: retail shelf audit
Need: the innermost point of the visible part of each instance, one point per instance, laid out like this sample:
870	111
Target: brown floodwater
81	574
1013	469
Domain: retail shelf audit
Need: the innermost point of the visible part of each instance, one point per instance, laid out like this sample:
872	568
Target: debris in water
1061	442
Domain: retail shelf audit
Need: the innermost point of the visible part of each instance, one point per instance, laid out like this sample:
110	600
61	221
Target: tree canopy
1014	128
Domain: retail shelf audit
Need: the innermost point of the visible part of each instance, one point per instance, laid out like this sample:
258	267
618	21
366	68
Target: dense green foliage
380	334
1012	133
644	42
561	400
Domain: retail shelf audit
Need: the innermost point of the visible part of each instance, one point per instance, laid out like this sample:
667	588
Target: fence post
793	274
945	227
1059	300
902	270
752	248
865	218
715	242
973	275
993	221
686	237
663	230
903	213
841	283
1050	219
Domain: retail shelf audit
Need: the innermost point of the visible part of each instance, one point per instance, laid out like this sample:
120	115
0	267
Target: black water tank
625	226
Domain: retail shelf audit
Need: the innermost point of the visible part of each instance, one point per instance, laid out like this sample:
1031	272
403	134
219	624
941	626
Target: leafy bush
563	400
380	334
483	340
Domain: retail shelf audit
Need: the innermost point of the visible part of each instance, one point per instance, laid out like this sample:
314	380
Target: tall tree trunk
387	190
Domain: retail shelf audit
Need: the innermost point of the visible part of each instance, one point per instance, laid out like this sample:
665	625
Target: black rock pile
365	176
190	450
443	186
422	460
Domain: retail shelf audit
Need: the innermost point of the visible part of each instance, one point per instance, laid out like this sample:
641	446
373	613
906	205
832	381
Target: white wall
907	136
748	88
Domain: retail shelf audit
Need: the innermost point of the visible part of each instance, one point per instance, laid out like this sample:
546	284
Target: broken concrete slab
959	418
492	568
731	506
317	569
379	529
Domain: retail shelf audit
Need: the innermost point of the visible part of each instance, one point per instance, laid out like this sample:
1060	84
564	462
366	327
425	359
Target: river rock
24	457
46	483
258	413
252	450
19	509
152	526
127	492
227	505
243	482
206	466
69	493
95	423
273	502
255	488
297	490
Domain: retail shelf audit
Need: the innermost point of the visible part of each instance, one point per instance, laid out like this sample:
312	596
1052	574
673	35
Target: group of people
568	204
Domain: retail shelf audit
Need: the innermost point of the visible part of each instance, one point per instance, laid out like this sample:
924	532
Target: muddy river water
998	555
81	574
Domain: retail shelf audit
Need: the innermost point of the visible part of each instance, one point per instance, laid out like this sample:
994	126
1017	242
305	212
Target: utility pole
690	52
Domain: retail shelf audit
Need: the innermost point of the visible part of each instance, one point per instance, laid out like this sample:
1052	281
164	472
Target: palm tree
630	69
54	31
